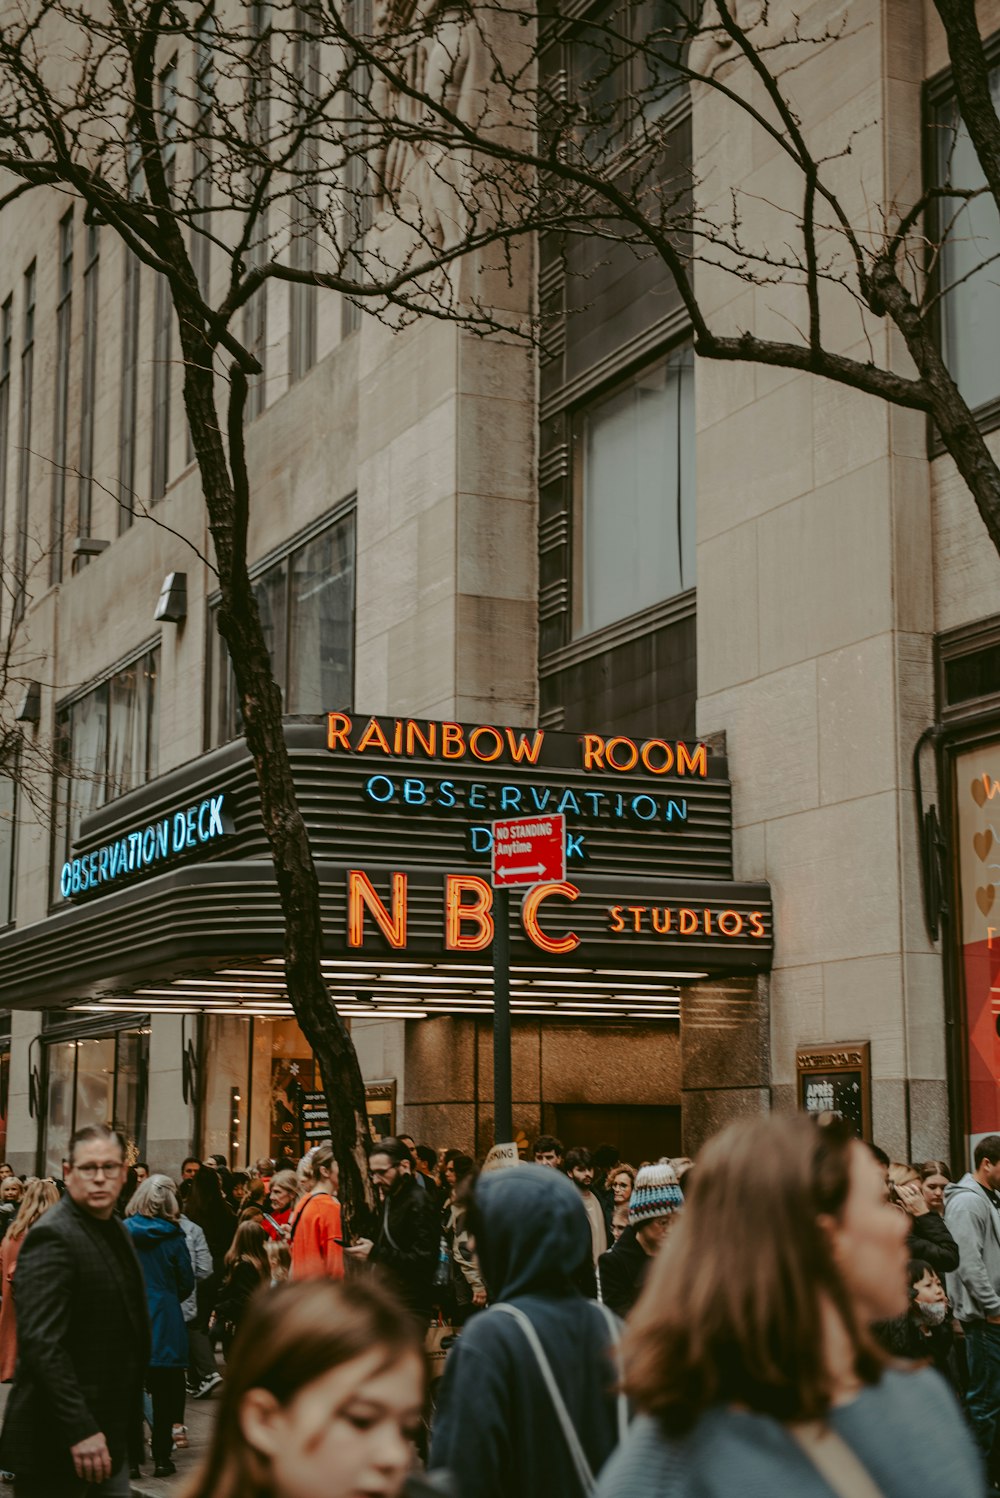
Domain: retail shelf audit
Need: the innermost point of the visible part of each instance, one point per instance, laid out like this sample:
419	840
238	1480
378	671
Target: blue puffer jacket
166	1269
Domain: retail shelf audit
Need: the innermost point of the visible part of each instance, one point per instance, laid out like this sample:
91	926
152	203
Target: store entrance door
637	1133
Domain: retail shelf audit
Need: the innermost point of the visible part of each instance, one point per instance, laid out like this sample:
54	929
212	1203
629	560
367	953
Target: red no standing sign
529	850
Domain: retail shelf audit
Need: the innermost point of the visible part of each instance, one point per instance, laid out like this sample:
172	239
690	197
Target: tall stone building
630	549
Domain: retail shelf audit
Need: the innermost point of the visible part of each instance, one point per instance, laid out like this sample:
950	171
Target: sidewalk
200	1418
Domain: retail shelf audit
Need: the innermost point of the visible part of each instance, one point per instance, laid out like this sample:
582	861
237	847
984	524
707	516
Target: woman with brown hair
749	1352
247	1268
323	1398
38	1197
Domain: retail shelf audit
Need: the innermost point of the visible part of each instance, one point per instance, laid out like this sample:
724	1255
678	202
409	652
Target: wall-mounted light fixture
172	605
30	709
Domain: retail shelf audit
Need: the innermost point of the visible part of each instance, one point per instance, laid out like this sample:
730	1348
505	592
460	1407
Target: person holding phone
315	1229
277	1214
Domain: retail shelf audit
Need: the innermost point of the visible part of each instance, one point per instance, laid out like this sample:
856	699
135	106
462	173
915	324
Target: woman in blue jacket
152	1219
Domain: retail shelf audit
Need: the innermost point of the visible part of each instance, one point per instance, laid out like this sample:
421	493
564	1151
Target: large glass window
106	744
96	1079
306	603
968	267
6	339
635	494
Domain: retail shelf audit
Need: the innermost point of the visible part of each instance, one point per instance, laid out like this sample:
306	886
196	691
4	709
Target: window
358	196
24	440
623	71
159	469
634	494
302	300
6	339
88	384
64	328
106	744
969	234
128	401
258	132
201	186
306	602
8	845
96	1079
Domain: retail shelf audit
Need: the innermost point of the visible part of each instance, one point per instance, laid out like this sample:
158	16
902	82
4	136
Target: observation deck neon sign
134	853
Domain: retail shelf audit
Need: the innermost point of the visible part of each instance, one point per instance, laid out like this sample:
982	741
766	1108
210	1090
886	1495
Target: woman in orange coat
39	1196
316	1226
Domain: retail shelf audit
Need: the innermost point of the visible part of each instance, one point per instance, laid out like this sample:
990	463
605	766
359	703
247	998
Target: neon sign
136	852
406	738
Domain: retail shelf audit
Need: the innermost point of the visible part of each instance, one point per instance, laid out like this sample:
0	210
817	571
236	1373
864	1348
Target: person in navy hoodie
152	1219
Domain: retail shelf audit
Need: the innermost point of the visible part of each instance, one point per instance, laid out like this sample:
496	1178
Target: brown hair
249	1246
290	1337
934	1168
39	1196
733	1307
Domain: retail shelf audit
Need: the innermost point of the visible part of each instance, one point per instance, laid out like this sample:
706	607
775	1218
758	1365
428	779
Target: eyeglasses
104	1168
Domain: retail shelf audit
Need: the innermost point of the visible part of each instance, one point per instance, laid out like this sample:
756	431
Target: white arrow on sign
531	868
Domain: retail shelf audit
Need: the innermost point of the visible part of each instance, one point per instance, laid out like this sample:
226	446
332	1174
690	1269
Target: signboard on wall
837	1079
314	1119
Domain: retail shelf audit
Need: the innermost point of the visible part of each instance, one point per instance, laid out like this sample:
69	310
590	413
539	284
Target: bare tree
409	162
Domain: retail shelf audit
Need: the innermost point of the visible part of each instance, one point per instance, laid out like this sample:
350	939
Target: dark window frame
6	348
219	697
60	423
24	434
61	835
163	307
88	379
303	299
939	91
9	916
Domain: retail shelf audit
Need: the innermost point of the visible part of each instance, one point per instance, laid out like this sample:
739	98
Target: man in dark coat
497	1429
409	1232
655	1200
83	1337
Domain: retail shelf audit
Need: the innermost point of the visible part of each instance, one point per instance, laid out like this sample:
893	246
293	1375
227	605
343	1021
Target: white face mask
932	1313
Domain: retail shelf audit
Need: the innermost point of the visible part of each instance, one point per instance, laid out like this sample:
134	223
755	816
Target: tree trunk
226	490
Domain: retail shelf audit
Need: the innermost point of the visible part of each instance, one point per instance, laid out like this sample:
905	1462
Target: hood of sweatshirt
959	1188
150	1232
532	1235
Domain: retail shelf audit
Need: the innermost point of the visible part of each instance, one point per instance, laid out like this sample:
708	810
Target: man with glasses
409	1232
83	1337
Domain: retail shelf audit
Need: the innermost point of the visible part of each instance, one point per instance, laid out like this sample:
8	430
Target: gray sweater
974	1223
906	1430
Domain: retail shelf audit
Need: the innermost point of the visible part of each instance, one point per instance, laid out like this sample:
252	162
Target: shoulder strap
298	1218
576	1451
614	1333
835	1461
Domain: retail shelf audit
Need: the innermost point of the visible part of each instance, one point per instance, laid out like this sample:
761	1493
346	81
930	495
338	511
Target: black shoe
164	1469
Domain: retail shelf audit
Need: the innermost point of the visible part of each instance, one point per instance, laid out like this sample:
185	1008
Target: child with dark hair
925	1333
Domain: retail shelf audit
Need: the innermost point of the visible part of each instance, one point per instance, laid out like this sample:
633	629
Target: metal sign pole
503	1110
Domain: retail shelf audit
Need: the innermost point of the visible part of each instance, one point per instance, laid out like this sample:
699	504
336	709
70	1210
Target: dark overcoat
83	1345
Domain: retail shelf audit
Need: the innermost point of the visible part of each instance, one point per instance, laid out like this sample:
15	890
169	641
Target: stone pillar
725	1055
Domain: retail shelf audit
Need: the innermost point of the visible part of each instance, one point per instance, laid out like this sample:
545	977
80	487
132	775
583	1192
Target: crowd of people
791	1311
